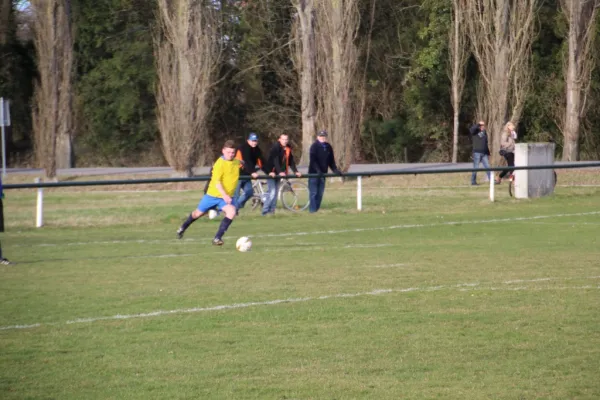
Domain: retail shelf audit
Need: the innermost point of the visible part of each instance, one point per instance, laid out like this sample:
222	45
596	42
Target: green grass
430	292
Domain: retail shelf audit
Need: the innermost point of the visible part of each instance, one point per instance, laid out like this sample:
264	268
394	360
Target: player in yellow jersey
223	181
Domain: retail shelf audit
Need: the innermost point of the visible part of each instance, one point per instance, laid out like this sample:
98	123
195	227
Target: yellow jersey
226	172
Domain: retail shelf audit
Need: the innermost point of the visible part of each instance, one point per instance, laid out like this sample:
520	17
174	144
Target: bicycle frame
260	193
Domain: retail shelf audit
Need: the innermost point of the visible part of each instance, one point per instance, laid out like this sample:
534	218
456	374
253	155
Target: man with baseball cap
321	158
250	156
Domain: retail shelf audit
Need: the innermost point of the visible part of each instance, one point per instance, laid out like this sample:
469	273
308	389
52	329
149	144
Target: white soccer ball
243	244
212	214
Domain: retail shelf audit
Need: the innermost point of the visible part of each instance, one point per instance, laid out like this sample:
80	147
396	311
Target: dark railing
348	174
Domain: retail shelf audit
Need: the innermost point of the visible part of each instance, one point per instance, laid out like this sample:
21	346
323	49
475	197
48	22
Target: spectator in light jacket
507	148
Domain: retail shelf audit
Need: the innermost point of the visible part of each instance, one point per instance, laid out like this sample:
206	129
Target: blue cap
252	136
322	133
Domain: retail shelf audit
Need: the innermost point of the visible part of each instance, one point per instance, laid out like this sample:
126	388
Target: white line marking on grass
5	328
435	224
572	223
163	255
382	228
321	247
367	246
386	266
375	292
519	288
529	280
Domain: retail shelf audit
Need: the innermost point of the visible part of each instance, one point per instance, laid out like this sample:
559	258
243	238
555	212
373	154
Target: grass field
430	292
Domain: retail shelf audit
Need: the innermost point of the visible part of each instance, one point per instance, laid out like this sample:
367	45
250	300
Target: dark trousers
510	160
316	188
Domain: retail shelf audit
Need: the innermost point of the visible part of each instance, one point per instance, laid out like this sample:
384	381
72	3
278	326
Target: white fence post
492	179
359	193
4	121
39	218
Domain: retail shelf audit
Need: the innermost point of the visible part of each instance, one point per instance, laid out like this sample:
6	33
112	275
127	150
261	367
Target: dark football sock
223	227
190	220
0	250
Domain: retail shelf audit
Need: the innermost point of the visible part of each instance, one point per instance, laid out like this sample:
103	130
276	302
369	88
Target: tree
336	29
501	33
188	54
459	53
581	16
53	110
115	80
17	71
305	64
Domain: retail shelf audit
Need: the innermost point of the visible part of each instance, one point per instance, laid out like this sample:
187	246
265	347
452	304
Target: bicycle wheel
294	196
255	202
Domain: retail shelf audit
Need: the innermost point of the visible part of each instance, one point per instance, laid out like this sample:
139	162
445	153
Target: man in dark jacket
250	155
3	261
321	159
481	151
279	162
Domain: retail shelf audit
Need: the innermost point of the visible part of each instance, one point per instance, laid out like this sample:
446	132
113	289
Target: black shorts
1	216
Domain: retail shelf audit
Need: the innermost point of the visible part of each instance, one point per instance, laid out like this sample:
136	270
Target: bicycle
294	195
511	182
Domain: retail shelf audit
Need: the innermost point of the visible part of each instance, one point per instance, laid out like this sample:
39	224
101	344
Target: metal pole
3	137
39	218
359	193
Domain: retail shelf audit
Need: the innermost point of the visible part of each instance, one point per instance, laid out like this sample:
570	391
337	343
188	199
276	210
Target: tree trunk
337	65
458	60
455	127
53	110
498	106
188	53
65	96
5	11
573	97
581	15
307	76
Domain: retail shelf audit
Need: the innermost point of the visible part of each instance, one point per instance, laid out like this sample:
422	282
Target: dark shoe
217	242
474	184
180	233
4	261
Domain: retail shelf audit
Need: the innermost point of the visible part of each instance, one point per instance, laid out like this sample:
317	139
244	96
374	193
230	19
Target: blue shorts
209	202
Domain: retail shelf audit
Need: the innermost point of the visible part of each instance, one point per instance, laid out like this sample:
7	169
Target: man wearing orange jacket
280	160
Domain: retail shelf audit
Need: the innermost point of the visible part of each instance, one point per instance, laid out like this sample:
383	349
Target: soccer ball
212	214
243	244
